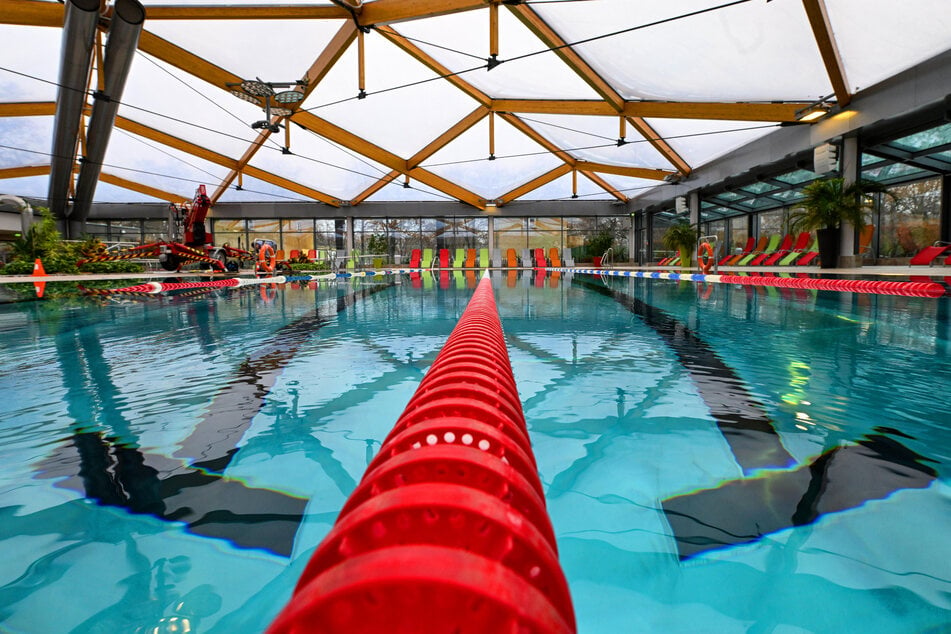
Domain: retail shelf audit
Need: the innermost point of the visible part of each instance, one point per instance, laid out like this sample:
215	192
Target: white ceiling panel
683	50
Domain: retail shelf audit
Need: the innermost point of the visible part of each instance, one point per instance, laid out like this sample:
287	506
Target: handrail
607	257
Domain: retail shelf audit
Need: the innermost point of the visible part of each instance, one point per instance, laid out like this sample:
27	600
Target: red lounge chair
312	255
540	261
415	257
810	255
766	258
928	255
802	241
443	259
728	259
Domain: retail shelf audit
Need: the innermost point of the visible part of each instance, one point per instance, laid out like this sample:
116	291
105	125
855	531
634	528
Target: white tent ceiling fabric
424	120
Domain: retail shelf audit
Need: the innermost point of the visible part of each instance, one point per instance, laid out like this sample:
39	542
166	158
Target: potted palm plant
827	204
683	237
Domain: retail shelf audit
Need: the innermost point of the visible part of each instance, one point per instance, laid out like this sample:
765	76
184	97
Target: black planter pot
829	247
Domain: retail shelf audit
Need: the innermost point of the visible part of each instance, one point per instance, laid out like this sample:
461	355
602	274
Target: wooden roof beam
657	109
31	13
660	144
375	187
531	133
28	109
154	192
535	183
546	34
186	61
381	12
622	170
428	61
437	144
22	171
220	159
574	61
249	153
246	12
828	49
373	152
448	136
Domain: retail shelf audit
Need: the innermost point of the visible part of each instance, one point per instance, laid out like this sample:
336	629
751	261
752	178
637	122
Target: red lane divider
159	287
447	530
881	287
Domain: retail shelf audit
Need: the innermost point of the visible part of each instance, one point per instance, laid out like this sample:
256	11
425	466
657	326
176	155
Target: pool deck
864	271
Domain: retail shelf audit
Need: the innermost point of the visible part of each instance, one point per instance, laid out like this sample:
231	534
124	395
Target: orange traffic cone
38	271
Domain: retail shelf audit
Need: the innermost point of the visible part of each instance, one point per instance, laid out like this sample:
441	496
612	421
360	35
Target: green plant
600	242
378	244
119	266
681	236
309	266
830	202
40	241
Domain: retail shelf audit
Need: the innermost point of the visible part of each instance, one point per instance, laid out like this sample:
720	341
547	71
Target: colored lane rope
447	530
879	287
160	287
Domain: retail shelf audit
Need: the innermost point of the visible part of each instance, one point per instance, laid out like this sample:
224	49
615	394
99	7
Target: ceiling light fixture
814	111
255	91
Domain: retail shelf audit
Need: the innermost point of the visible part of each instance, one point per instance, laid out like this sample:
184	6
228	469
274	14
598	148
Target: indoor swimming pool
715	458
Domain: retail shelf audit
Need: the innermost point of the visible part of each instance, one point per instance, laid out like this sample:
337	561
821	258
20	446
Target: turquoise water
715	459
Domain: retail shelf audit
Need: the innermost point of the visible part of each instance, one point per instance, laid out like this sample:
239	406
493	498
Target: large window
739	233
297	235
269	229
911	221
659	224
544	233
510	233
772	222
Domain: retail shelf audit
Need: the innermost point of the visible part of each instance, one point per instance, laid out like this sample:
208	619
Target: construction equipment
189	242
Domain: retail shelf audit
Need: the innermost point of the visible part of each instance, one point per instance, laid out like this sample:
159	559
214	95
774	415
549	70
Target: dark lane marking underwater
743	421
745	510
113	471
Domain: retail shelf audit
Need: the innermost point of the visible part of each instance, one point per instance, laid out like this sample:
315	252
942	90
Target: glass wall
772	222
544	233
329	234
265	229
297	235
399	236
739	233
718	228
155	231
910	221
510	234
659	224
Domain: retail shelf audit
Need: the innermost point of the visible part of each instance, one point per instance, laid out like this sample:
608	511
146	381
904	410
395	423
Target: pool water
715	458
